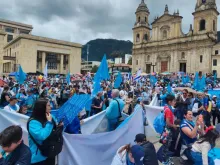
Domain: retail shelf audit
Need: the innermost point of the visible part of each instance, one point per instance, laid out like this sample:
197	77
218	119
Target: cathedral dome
142	7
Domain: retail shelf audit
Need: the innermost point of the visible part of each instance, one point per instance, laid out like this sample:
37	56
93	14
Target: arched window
138	38
202	25
183	55
164	34
145	37
213	25
139	19
145	19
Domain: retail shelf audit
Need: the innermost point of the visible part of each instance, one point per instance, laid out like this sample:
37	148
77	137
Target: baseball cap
138	154
214	96
140	138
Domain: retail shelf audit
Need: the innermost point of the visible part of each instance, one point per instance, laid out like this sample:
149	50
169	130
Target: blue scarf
13	107
190	122
170	107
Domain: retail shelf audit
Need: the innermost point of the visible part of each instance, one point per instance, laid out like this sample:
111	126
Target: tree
130	61
94	69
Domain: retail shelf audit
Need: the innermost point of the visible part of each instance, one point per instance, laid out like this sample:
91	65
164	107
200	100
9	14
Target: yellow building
18	46
164	47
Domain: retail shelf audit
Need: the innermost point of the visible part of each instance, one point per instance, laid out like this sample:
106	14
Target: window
136	62
202	25
24	32
9	30
138	38
216	52
145	19
201	58
213	25
139	19
164	34
10	52
145	37
52	61
215	62
9	38
148	58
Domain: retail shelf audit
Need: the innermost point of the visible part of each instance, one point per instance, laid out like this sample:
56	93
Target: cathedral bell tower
205	17
141	30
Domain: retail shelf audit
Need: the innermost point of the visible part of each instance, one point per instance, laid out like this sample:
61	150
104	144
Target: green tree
130	61
94	69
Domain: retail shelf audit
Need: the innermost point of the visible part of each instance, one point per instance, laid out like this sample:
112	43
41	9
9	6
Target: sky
84	20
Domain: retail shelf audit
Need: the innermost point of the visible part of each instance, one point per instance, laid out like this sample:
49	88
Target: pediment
165	18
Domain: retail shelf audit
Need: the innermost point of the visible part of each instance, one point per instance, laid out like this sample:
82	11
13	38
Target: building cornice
16	23
43	39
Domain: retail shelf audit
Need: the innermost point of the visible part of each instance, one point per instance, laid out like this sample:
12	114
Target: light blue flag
101	74
169	90
196	79
71	108
118	80
68	78
22	75
153	80
215	78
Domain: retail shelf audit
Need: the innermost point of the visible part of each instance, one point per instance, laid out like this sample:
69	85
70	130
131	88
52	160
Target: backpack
159	123
51	146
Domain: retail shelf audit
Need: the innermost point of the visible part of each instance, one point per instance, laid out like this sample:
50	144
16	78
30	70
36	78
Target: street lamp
153	66
88	56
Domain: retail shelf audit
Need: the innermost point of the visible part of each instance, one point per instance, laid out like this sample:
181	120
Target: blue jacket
21	155
39	133
112	112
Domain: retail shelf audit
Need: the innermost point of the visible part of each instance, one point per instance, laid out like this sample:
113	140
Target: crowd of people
188	132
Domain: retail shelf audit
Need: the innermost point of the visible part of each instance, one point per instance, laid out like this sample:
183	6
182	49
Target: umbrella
166	73
144	74
189	89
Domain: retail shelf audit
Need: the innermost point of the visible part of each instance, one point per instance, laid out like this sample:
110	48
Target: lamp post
153	66
88	56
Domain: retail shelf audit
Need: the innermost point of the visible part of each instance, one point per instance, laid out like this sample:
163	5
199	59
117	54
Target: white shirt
8	108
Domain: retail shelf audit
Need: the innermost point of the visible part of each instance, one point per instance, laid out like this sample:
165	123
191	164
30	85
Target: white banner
97	149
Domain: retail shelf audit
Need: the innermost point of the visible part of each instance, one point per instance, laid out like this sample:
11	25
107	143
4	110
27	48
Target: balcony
9	58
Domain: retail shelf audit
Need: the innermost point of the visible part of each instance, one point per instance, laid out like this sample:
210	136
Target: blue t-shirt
187	140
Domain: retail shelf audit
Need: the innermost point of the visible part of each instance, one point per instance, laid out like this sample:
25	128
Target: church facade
164	47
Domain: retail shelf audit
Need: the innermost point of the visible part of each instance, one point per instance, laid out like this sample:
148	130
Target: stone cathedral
162	46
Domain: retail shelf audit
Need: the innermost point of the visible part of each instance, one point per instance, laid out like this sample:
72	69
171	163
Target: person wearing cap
12	106
129	155
150	157
215	110
21	96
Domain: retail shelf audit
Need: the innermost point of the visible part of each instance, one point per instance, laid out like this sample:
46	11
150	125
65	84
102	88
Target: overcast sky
83	20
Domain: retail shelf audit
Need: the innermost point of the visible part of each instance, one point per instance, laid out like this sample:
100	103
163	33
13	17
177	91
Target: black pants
215	114
48	161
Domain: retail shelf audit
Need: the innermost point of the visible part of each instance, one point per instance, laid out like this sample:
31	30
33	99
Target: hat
214	96
140	138
13	98
138	154
217	128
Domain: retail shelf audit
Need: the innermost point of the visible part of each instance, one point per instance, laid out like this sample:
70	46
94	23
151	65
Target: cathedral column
43	60
61	64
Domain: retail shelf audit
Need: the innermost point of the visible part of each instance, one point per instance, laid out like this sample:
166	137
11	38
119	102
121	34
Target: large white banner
88	149
152	111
